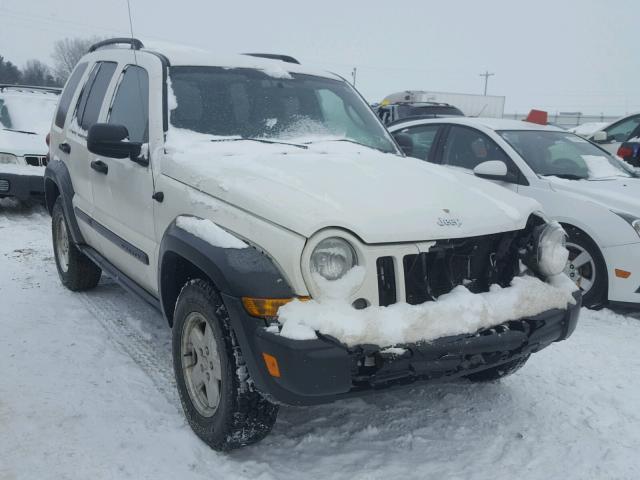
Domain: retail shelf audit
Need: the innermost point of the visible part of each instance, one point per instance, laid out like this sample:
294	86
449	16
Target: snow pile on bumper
455	313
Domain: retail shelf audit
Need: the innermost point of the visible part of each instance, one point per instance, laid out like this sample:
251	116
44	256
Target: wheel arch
57	184
232	271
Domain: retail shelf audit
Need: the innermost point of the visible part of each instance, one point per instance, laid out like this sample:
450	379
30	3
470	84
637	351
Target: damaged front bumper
322	370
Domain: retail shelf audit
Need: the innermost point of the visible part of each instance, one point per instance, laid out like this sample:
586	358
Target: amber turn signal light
272	365
622	273
266	307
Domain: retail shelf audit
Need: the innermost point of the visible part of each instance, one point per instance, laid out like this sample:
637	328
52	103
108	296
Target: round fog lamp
333	258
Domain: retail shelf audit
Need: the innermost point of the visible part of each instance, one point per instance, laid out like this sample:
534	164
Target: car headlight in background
631	220
552	253
332	258
8	158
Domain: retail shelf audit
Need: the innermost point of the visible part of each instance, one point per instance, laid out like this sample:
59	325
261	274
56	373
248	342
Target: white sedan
593	194
610	135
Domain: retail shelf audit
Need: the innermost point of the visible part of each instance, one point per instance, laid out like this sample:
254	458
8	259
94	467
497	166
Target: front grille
4	186
36	160
474	262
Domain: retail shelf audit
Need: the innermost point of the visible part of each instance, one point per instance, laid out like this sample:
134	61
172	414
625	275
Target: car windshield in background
564	155
27	111
251	104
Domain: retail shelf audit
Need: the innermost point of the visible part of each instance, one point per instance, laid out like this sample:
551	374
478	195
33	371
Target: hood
619	194
379	197
22	144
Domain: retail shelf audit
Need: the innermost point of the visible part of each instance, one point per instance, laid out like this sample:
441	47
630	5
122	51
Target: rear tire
587	268
501	371
76	271
219	402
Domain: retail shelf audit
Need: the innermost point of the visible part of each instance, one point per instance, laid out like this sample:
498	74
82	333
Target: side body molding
57	180
235	272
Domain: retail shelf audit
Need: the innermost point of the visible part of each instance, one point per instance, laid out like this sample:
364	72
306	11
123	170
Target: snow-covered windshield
27	111
288	107
564	155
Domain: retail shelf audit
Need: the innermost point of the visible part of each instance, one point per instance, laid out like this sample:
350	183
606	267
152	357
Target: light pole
486	76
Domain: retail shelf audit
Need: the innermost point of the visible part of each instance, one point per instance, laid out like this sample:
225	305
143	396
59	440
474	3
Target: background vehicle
222	189
469	104
611	135
25	118
579	184
390	113
629	151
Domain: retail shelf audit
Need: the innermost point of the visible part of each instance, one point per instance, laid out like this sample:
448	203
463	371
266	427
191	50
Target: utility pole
353	75
486	76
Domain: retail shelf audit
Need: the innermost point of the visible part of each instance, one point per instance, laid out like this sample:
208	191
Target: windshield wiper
19	131
348	140
261	140
567	176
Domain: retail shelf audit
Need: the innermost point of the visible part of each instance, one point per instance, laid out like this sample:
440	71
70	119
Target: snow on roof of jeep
185	55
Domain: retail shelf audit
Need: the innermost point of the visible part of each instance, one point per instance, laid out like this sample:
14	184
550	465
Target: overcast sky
551	54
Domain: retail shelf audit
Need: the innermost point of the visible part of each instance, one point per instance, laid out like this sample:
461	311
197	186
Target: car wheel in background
220	404
77	272
586	268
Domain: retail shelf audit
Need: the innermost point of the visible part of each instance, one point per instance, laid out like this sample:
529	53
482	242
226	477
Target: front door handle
65	147
100	166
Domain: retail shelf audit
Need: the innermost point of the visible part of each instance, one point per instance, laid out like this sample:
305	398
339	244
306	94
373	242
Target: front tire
76	271
586	268
220	404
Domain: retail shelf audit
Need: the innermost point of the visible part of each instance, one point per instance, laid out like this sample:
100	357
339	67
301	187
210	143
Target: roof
184	55
490	123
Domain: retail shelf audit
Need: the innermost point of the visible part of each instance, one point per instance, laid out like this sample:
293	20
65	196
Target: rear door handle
65	147
100	166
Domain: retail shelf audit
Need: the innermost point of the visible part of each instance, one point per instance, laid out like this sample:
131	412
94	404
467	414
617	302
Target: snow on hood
588	129
379	197
22	143
619	194
455	313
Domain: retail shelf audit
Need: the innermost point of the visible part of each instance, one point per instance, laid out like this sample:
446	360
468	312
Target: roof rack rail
4	86
134	42
274	56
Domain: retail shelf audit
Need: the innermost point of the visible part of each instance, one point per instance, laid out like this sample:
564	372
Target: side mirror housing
112	141
600	136
492	170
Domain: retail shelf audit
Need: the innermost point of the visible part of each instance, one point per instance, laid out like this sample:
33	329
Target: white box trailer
470	104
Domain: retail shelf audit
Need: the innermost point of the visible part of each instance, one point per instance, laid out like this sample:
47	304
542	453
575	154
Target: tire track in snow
110	305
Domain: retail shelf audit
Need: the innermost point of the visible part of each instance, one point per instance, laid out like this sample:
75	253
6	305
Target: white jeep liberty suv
234	193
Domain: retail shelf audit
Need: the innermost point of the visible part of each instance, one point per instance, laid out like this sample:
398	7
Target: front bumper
23	187
322	370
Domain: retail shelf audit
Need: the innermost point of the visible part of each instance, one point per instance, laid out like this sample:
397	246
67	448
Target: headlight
333	258
631	220
552	250
8	158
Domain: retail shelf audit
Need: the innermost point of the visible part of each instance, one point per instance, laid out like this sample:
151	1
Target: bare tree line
66	54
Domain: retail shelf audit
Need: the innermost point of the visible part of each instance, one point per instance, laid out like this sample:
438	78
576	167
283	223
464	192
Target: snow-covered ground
86	391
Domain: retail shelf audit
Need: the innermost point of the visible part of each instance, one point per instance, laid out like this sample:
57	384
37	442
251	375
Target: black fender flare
234	272
57	182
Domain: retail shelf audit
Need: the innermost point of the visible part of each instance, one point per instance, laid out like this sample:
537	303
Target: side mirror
600	136
492	170
406	143
112	141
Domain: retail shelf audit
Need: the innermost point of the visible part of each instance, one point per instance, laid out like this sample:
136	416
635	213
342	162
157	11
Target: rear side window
93	94
67	95
131	104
